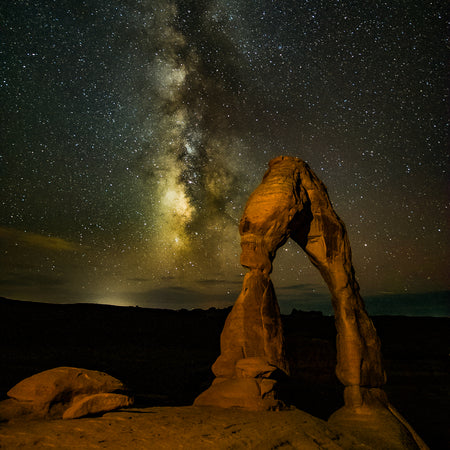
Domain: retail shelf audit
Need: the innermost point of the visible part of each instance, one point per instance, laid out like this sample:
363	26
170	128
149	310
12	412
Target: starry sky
133	132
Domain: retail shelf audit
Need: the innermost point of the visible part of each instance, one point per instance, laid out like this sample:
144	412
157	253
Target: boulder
51	393
96	404
63	383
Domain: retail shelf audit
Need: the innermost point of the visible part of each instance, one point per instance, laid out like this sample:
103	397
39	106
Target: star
134	133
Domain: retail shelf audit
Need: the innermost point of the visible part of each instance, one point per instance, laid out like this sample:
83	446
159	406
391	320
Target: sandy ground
180	428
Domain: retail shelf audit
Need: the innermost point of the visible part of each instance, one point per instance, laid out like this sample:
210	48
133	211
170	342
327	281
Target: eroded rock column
252	350
252	346
359	363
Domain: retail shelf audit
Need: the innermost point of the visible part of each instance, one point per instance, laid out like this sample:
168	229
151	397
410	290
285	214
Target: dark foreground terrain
165	356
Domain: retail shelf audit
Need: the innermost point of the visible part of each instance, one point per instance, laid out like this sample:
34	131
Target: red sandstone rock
248	393
252	349
50	393
253	328
96	404
291	202
254	368
63	383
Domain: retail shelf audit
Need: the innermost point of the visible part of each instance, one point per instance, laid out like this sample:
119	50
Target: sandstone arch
291	202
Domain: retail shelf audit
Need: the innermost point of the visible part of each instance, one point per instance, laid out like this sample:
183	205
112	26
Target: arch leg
359	365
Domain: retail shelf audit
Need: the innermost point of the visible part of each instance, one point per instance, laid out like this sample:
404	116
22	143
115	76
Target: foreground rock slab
378	427
66	392
181	428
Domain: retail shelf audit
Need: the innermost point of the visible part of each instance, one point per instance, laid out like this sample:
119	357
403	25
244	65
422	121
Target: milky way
193	145
133	133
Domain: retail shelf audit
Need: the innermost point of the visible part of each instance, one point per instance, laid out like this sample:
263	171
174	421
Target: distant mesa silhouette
291	202
64	392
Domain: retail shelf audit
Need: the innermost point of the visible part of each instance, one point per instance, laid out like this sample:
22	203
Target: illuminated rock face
66	392
252	350
291	202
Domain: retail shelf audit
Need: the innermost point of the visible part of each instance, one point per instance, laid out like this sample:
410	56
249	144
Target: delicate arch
291	202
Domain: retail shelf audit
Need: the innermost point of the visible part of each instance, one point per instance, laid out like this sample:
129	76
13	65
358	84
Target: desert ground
180	428
164	357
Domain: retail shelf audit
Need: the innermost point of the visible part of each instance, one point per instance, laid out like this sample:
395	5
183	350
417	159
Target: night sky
134	131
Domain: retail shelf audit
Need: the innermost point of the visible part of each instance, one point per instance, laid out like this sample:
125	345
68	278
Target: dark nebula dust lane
133	133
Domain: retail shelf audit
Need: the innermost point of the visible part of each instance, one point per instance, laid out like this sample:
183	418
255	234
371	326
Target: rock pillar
325	241
252	347
252	350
